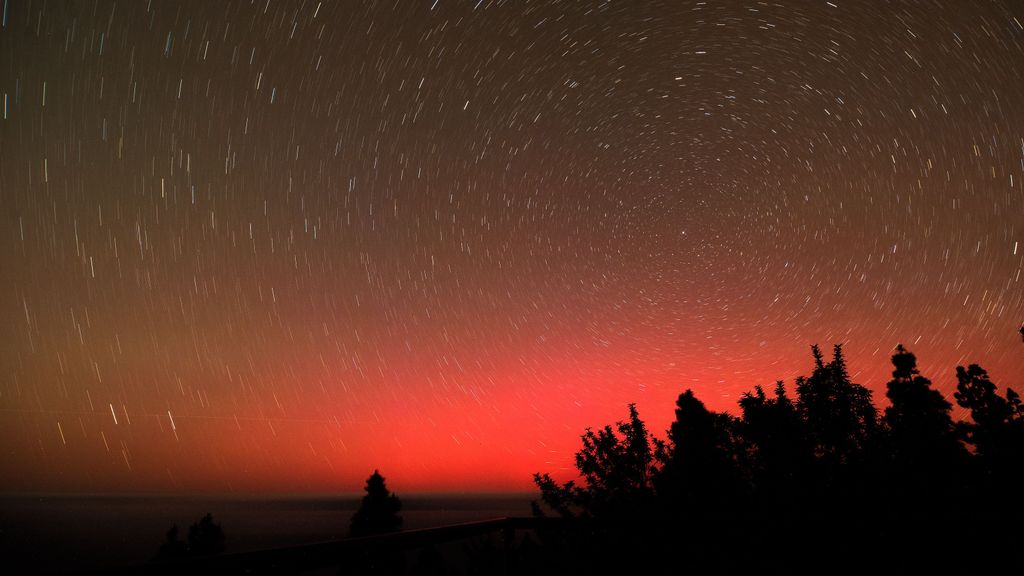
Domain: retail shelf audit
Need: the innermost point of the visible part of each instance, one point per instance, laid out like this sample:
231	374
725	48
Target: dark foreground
499	546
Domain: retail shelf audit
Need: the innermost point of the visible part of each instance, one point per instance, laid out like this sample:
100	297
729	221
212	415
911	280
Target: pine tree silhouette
378	513
921	430
778	451
923	464
839	415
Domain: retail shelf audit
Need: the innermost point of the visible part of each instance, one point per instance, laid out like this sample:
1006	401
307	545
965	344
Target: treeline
818	482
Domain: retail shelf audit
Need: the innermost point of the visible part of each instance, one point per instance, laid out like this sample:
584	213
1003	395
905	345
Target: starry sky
270	246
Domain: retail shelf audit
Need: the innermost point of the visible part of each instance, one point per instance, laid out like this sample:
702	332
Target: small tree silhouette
378	514
205	537
173	546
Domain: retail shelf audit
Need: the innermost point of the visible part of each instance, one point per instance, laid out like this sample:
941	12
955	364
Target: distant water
61	534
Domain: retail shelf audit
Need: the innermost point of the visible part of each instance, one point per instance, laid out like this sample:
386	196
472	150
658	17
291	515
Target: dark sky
274	245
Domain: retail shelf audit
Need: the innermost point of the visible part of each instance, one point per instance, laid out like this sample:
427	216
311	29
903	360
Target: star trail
274	245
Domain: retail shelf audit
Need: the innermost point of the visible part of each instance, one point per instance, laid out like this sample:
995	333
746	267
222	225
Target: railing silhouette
338	553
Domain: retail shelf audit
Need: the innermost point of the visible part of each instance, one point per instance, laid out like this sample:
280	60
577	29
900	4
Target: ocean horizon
68	533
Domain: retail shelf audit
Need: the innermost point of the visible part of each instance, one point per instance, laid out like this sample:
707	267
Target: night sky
272	246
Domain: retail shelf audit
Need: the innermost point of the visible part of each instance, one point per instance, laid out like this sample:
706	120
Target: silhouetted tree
205	537
996	433
701	472
778	451
702	490
997	430
921	430
565	499
924	466
839	415
820	483
378	513
617	467
173	546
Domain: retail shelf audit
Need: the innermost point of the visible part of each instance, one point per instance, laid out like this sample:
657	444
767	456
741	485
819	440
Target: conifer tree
839	415
921	430
378	513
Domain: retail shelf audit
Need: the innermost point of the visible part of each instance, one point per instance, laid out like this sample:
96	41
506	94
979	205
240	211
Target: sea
67	534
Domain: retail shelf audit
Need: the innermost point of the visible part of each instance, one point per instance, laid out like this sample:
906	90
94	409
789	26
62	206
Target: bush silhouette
378	513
